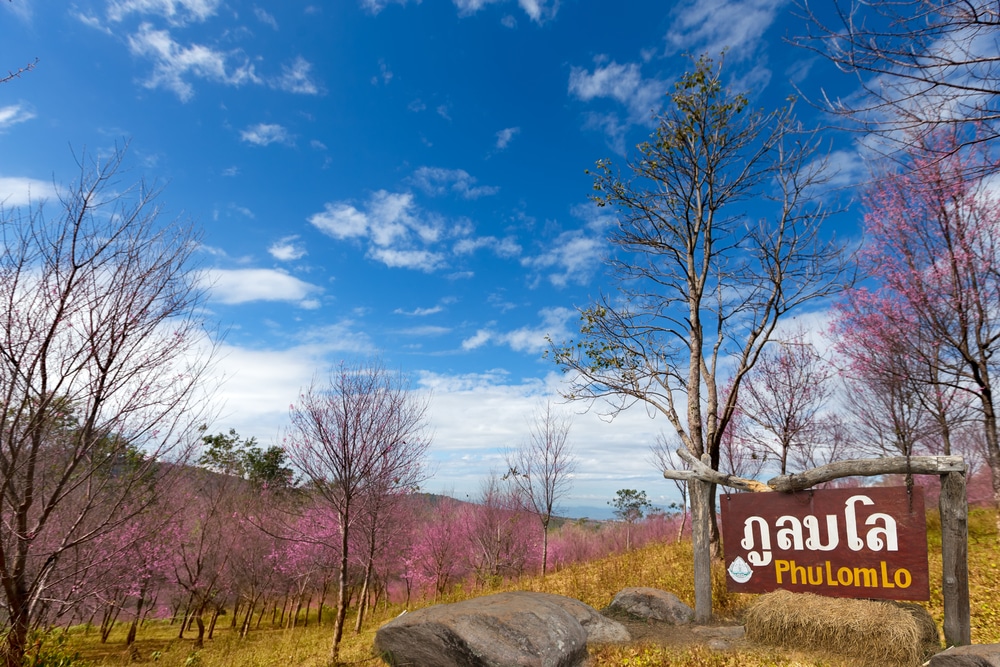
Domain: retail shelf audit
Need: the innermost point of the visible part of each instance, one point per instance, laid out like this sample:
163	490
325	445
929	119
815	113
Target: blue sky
387	176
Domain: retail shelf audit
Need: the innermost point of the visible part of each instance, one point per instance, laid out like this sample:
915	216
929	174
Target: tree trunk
701	531
338	625
199	641
363	599
211	624
245	628
130	637
16	641
545	547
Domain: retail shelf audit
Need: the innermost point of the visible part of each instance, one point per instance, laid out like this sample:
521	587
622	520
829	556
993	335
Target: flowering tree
931	243
98	376
782	399
361	434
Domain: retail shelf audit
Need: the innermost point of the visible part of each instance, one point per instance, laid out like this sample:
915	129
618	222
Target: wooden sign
859	543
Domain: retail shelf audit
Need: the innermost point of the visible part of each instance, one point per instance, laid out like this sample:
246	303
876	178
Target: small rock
718	645
980	655
652	603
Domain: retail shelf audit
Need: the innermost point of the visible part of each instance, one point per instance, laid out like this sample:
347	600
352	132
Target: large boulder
652	603
521	629
981	655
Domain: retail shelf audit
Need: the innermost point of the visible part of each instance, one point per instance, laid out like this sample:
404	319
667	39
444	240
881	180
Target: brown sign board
858	543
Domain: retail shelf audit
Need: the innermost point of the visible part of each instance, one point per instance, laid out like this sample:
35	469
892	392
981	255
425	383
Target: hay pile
876	633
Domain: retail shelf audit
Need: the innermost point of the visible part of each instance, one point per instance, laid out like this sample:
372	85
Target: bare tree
542	469
783	399
921	64
701	286
363	433
99	371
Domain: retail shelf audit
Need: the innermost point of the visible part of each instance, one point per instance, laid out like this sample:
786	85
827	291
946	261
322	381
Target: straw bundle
874	632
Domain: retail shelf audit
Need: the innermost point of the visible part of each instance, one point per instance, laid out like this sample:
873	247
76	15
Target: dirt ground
717	635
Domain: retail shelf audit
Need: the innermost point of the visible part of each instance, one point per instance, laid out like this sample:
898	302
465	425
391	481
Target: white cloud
622	83
539	10
420	312
297	78
236	286
341	221
697	28
469	7
395	230
422	260
287	249
573	256
436	181
265	18
175	11
19	191
505	136
505	247
264	134
13	114
376	6
526	339
173	63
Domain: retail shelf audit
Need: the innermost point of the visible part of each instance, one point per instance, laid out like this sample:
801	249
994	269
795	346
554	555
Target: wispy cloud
436	181
265	18
624	84
531	339
376	6
297	78
396	231
19	191
287	249
420	312
174	63
572	257
505	136
175	11
13	114
697	28
236	286
264	134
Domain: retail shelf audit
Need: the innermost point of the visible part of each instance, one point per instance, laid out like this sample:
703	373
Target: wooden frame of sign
953	505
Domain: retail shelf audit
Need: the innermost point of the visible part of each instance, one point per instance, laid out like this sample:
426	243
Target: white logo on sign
740	571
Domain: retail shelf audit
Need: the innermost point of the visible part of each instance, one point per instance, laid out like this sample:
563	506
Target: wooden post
700	539
954	509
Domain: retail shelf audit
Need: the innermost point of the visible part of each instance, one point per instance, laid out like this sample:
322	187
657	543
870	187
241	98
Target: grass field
664	566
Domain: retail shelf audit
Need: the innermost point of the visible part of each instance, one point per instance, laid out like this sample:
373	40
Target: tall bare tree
542	469
99	372
360	434
701	283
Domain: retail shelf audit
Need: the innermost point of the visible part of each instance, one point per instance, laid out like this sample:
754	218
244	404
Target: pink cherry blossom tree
932	231
361	433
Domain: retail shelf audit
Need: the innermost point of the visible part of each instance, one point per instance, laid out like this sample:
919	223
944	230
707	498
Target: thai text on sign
860	542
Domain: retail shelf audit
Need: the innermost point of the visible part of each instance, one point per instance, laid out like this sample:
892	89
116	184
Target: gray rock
981	655
652	603
518	629
718	645
600	629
